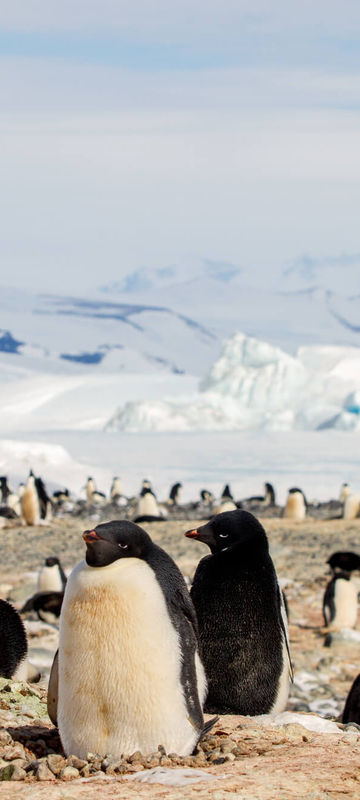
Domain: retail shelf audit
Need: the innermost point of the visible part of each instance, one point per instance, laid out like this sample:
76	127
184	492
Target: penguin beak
192	534
90	536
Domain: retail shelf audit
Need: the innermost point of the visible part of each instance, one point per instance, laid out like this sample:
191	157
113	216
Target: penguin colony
33	505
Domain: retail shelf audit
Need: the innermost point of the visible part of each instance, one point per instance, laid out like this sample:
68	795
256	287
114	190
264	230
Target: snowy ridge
256	385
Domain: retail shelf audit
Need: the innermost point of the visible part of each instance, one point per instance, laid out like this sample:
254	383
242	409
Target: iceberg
255	385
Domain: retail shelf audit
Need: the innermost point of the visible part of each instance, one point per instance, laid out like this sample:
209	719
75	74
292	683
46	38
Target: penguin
206	496
9	498
128	672
116	489
267	499
351	507
174	495
47	605
61	496
147	507
44	500
295	507
351	711
227	502
51	577
13	643
243	633
340	603
30	505
343	560
344	492
92	494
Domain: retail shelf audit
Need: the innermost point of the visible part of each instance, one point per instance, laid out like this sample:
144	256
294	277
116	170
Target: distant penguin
340	603
351	506
344	561
351	711
51	577
206	496
13	643
227	502
61	496
344	492
47	605
9	498
116	489
44	500
267	499
92	494
174	495
147	507
243	636
30	505
295	507
128	673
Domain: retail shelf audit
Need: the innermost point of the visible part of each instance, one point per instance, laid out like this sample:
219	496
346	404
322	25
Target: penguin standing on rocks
44	500
295	507
243	636
9	498
227	502
340	602
92	494
51	577
127	676
30	504
147	507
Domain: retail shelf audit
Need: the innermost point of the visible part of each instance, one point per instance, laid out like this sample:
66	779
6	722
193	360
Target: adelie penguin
295	506
51	577
147	507
127	675
340	603
13	646
241	616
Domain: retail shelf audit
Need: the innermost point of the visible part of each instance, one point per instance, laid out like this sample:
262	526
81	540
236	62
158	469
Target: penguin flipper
52	698
284	627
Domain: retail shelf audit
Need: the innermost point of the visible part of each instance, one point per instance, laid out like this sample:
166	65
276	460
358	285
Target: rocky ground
243	758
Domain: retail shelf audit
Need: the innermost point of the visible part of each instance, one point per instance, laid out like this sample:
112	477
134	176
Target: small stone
69	773
5	737
135	757
56	763
12	773
115	768
74	761
85	772
230	757
15	751
43	773
137	767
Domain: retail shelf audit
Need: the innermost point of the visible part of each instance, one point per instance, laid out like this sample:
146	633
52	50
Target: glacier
256	385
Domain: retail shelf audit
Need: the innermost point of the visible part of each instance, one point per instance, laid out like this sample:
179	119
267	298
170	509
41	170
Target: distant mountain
174	319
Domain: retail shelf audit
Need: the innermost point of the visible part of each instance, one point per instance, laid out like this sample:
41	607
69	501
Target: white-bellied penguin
241	616
128	671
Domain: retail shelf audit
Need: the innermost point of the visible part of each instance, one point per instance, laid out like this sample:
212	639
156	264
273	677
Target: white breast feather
119	665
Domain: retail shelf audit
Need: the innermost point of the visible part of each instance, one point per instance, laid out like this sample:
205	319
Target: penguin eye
124	546
223	535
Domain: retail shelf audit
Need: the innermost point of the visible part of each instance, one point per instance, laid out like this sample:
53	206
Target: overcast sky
139	133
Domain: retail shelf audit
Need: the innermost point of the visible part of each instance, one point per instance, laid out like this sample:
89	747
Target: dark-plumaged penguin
340	602
243	635
351	711
47	605
128	672
13	643
44	500
174	495
51	577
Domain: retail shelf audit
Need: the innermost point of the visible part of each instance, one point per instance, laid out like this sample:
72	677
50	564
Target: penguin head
231	528
51	561
113	540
